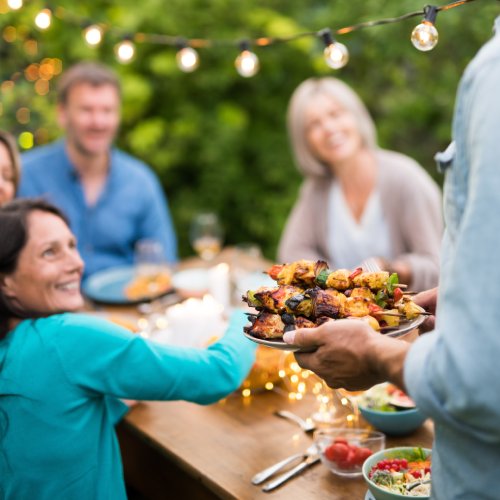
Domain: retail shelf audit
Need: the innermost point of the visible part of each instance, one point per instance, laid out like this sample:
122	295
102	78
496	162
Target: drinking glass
206	235
149	257
352	398
152	275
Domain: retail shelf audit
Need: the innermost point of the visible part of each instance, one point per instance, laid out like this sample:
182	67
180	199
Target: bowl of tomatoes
343	451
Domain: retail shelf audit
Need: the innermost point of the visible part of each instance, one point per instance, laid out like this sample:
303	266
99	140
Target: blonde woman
357	201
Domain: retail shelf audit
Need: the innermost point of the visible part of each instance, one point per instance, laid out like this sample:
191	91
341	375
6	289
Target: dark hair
93	73
14	235
10	143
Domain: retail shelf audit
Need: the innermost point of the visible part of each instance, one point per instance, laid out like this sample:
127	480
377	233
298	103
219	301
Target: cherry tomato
398	294
337	452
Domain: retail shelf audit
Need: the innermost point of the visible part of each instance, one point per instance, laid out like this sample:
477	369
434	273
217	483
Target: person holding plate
358	201
453	373
62	373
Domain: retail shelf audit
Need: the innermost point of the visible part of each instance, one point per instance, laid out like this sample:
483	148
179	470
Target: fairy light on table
331	408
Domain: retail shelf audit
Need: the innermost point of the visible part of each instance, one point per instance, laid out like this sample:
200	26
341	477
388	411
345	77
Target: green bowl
377	492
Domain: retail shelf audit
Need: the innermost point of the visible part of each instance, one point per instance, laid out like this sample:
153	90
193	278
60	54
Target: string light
187	58
425	36
125	51
15	4
247	63
335	53
93	34
43	19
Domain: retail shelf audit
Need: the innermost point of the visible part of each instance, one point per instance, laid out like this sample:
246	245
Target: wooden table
174	450
182	450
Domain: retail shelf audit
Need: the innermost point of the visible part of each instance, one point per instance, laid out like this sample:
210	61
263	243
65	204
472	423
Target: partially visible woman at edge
357	201
10	167
61	373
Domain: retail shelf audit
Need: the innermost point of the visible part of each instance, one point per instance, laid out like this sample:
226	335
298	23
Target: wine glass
152	275
351	397
300	383
206	235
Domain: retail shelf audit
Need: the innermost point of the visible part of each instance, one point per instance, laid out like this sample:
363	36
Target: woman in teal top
61	373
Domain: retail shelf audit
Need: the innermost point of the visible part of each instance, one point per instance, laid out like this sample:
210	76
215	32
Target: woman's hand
350	354
428	300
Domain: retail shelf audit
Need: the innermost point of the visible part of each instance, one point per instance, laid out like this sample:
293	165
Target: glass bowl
343	451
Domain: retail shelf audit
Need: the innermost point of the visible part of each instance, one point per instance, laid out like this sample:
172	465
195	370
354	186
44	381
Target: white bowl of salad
399	473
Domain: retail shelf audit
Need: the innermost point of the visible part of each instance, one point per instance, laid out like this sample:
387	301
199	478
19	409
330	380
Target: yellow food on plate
145	287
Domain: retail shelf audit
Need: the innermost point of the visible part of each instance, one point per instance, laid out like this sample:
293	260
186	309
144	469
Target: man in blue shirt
453	373
112	199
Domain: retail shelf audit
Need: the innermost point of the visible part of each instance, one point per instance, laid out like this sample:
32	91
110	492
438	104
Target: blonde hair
305	159
10	143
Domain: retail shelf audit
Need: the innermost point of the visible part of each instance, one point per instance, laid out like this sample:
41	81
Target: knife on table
310	460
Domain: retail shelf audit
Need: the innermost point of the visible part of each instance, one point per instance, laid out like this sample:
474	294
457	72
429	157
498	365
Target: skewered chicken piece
316	302
272	299
356	306
410	310
302	272
373	281
339	279
270	326
364	292
265	325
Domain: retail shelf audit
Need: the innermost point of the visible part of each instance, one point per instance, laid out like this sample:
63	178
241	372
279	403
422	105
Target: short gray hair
306	161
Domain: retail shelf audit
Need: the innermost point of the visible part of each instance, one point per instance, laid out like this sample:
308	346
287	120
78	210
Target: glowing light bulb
93	34
15	4
125	51
425	36
43	19
187	59
335	53
247	63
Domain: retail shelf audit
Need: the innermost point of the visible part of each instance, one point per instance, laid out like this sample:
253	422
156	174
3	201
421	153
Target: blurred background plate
108	287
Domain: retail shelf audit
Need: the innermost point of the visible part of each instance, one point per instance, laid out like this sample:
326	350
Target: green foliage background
218	141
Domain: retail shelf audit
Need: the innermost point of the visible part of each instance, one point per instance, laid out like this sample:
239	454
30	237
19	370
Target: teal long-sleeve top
60	378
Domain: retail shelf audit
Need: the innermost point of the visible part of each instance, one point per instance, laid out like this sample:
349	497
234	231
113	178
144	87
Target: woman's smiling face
49	270
331	131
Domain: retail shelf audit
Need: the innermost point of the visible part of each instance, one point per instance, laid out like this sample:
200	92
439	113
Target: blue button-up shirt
132	205
454	373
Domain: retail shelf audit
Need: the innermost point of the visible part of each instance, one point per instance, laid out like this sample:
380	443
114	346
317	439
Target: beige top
411	202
